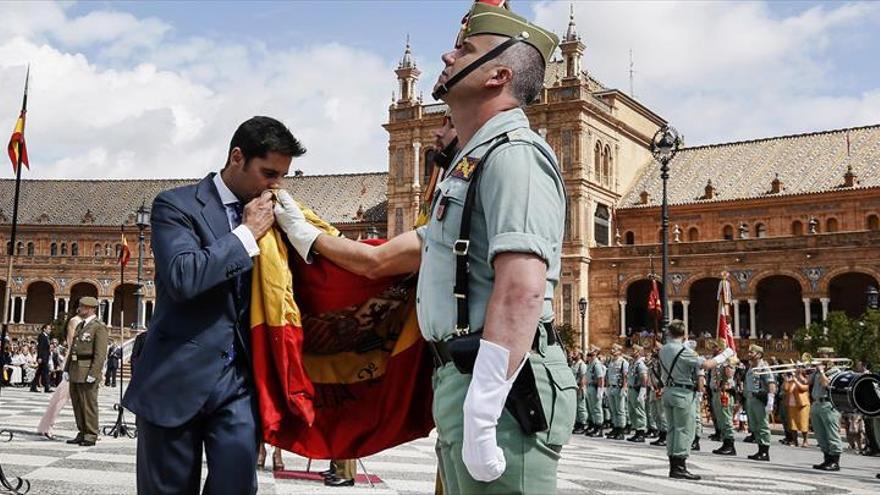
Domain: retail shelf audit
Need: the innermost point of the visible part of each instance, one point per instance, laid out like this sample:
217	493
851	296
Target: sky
156	89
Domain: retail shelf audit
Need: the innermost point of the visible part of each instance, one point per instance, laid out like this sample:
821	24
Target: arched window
693	234
601	225
118	250
873	222
98	249
74	249
8	248
606	165
30	249
629	238
53	249
430	156
108	250
797	228
831	225
760	230
727	233
597	162
63	249
19	247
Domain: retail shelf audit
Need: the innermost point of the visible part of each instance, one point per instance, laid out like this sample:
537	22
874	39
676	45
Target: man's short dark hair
258	136
676	328
528	67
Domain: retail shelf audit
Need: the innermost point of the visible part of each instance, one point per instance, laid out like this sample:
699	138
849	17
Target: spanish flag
124	252
17	146
340	367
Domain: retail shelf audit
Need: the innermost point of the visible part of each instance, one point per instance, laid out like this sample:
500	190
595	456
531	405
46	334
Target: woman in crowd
797	404
62	393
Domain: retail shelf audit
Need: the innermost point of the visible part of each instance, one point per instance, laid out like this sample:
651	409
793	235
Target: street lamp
582	308
142	220
664	146
873	297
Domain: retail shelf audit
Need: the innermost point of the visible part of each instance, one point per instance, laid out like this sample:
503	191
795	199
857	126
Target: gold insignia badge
465	168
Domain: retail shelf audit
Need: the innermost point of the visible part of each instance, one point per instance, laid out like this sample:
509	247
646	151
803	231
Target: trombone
807	362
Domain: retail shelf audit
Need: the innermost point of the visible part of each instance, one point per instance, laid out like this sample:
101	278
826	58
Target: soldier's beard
444	158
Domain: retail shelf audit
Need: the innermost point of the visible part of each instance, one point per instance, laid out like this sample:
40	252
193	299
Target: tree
853	338
568	336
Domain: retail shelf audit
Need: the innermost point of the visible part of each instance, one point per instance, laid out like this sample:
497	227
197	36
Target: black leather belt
823	399
686	387
441	355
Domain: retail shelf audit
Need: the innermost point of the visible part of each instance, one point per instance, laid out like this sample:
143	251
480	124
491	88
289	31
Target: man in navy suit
43	356
193	389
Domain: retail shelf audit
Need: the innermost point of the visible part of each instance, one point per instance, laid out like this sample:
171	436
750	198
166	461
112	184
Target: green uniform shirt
634	379
685	368
595	371
579	370
617	370
758	383
817	391
519	207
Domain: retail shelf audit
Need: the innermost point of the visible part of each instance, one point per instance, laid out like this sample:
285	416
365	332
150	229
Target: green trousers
698	418
531	459
617	406
84	399
678	404
636	409
826	424
656	411
758	421
723	415
581	417
594	406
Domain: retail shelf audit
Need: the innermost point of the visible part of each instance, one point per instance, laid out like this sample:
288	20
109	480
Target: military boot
578	429
661	440
824	462
678	470
639	437
695	445
616	434
715	437
597	431
652	433
750	438
727	448
763	454
833	463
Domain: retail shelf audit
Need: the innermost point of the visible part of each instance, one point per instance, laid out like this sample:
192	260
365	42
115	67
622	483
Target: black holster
523	401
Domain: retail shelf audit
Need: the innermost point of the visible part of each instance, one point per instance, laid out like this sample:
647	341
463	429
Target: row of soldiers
658	393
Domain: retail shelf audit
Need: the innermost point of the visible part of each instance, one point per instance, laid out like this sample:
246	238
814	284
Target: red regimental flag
724	298
124	252
654	304
17	146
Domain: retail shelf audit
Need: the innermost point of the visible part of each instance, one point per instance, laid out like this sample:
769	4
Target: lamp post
664	146
142	221
873	297
582	308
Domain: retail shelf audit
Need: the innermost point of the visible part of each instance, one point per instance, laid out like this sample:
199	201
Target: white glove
90	379
724	356
699	397
293	222
66	376
600	392
643	392
483	405
770	401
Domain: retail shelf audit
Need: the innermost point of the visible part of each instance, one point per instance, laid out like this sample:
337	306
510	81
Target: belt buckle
459	331
73	357
461	247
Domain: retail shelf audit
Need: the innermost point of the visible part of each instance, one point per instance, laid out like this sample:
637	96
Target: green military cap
756	348
88	301
485	18
593	350
616	347
825	350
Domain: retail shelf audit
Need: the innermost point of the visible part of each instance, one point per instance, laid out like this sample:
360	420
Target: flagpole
20	485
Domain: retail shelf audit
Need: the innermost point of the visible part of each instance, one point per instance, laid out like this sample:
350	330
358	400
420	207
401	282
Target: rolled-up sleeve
523	203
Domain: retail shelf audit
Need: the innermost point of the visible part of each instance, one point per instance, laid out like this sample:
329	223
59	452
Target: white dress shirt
244	234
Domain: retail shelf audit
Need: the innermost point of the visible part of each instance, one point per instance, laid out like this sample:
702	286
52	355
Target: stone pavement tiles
588	466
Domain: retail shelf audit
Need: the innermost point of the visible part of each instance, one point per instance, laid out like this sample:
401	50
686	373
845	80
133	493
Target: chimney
776	185
849	178
709	191
643	197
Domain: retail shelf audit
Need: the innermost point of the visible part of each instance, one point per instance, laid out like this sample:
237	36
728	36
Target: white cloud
722	71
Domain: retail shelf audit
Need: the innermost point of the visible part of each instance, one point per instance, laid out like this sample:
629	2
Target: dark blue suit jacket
199	313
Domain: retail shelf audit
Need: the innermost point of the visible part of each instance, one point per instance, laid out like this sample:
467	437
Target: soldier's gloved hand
90	379
724	356
770	401
600	393
293	222
66	376
483	406
643	392
699	396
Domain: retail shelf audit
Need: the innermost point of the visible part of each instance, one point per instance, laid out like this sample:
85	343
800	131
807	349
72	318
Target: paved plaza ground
589	466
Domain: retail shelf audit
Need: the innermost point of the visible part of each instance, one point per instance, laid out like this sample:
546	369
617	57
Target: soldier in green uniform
700	380
760	393
637	386
655	402
615	378
824	417
679	366
723	392
84	368
579	371
595	392
710	391
489	258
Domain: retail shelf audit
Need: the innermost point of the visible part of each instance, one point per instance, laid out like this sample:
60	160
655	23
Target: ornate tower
572	49
407	75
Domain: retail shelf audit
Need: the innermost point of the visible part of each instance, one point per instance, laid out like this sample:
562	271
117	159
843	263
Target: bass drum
853	392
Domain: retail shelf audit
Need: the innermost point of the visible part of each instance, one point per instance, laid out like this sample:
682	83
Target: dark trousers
84	399
41	376
110	377
169	460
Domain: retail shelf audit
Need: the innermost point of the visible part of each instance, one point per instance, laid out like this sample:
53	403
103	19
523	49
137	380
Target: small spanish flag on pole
17	149
124	252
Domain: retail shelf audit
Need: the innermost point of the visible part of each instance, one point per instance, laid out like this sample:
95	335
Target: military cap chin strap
444	88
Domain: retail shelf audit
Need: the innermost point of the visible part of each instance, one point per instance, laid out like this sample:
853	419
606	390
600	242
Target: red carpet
316	476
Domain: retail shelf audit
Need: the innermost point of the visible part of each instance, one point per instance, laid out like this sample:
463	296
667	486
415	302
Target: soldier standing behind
700	381
579	370
595	393
655	404
638	392
83	369
825	418
680	365
618	367
723	395
760	394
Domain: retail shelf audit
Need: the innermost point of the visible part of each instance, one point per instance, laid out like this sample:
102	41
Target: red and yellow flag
340	366
124	252
17	146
